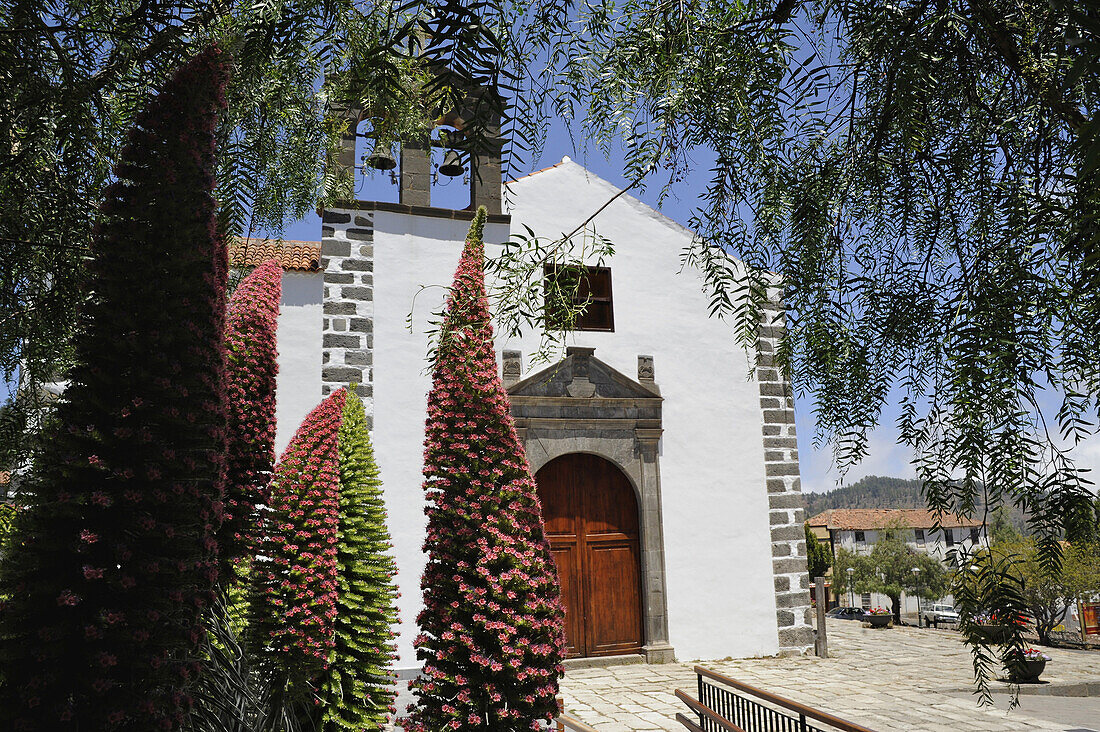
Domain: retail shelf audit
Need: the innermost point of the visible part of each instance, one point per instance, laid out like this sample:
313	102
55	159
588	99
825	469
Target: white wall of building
299	344
716	529
934	542
721	591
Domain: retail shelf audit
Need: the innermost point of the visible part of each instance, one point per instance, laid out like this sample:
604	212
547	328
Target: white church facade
665	454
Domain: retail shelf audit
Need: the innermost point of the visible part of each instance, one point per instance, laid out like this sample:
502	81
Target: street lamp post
851	591
916	577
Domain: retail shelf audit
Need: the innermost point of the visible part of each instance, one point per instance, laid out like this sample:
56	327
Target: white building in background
669	479
857	529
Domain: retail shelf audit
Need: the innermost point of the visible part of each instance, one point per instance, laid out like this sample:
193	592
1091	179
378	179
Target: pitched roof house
857	529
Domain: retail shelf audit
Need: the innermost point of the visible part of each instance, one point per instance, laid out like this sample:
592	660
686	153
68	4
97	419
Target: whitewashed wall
299	344
934	542
718	546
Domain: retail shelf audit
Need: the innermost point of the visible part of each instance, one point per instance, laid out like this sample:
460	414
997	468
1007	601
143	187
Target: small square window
949	537
860	536
920	535
573	287
973	536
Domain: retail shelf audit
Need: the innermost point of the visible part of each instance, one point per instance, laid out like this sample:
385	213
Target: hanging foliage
492	635
113	559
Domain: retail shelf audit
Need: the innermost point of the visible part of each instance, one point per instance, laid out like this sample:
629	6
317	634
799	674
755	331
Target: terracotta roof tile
863	519
302	256
5	477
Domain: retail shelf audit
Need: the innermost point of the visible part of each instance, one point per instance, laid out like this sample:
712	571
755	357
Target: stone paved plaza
897	679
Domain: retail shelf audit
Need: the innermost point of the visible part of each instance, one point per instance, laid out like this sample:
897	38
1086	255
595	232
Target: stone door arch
582	405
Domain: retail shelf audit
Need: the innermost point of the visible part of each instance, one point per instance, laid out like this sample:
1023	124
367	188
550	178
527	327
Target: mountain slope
876	491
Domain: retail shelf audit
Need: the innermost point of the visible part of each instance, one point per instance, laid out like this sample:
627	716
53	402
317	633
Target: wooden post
1081	621
821	643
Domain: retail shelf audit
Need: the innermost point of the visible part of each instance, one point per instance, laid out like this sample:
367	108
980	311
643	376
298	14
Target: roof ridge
565	159
864	518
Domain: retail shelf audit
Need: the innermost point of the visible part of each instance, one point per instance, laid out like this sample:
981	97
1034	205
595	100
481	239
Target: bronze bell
452	165
381	158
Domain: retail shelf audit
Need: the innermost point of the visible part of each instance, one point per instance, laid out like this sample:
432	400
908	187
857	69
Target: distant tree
1001	530
1048	599
492	635
842	561
818	556
114	558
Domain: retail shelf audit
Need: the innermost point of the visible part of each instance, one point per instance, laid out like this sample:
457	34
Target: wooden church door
591	519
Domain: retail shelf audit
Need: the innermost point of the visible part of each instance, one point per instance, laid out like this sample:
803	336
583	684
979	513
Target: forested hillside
876	491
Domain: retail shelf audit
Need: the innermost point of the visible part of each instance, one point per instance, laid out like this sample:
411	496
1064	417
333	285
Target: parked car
936	614
846	613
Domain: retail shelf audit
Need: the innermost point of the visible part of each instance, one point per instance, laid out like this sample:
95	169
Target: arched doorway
591	518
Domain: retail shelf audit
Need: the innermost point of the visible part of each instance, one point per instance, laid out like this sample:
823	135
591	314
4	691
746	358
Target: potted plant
878	617
1034	662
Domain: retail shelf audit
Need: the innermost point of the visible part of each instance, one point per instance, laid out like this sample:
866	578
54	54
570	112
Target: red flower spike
250	338
112	563
492	626
294	582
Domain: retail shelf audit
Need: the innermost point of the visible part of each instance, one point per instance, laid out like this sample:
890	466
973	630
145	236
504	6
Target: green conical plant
356	691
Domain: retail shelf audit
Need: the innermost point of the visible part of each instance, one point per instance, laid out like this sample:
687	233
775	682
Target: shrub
113	560
492	637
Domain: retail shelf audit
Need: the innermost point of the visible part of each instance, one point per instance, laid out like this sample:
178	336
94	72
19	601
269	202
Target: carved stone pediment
582	376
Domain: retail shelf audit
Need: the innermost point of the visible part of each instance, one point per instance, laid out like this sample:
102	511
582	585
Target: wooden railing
728	706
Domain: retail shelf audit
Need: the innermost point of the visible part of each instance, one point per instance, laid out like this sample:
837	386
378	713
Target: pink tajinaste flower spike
250	339
294	585
115	562
483	517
